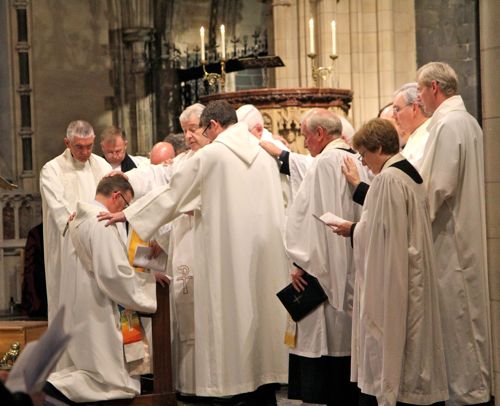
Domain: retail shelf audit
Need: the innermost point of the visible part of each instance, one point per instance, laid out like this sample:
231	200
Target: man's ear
66	142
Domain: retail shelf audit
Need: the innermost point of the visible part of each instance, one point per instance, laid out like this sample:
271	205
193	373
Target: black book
300	304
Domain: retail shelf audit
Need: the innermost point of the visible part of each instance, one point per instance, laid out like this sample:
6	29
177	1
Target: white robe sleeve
52	190
164	204
114	275
145	178
442	168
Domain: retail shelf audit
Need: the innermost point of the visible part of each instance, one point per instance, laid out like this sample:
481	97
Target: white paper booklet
38	358
142	260
330	219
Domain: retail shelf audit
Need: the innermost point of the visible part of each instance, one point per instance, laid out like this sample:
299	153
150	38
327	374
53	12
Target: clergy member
398	355
102	281
66	179
240	262
452	169
319	365
411	118
114	149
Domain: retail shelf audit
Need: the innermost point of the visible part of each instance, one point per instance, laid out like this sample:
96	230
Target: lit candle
223	42
311	36
202	38
334	38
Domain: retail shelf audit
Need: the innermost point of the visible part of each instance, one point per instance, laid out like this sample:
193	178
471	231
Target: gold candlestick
213	78
321	72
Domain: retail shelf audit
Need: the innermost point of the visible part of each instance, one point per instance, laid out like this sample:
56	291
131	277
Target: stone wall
448	31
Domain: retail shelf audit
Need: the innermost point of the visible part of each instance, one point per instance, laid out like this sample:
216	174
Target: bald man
161	152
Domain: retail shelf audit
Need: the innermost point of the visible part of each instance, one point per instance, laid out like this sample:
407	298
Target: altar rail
20	212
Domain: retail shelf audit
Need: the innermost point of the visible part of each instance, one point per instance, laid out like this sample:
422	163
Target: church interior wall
379	46
6	128
70	70
489	34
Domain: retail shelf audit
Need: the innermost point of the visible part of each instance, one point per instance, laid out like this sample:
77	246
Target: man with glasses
102	289
411	118
240	262
64	180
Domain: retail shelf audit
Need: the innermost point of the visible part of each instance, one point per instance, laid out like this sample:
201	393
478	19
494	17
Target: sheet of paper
38	358
329	219
142	260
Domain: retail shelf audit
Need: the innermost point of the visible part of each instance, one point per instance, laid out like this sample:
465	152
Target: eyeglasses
204	133
125	200
361	156
397	109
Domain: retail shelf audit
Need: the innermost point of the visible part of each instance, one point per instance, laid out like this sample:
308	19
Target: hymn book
142	259
300	304
329	219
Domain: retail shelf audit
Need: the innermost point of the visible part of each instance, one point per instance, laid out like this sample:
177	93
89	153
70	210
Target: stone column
490	83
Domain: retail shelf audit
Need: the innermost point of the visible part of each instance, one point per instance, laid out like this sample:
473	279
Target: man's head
347	130
320	127
407	108
252	117
190	123
437	81
178	142
387	113
114	192
161	152
113	145
217	116
80	140
375	141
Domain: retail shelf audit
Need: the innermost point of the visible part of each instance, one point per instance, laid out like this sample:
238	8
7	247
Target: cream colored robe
414	148
453	173
233	188
323	254
63	182
101	280
397	347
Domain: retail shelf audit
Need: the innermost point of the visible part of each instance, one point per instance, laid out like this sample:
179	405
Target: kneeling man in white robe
102	280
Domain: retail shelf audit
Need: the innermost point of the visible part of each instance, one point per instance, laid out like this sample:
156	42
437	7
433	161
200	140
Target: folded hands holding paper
339	225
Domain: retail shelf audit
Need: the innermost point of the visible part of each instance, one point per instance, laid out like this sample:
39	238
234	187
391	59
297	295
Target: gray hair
178	142
325	119
442	73
409	91
79	128
190	111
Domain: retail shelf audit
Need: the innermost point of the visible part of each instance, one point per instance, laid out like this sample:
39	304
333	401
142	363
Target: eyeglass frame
127	204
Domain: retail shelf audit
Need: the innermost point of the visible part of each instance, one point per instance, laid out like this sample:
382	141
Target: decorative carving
8	359
282	109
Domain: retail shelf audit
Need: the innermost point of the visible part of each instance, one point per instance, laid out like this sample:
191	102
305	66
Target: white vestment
453	173
101	280
298	164
323	254
240	260
414	148
63	182
397	348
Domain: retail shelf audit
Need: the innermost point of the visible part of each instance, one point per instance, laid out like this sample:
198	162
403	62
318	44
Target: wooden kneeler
163	393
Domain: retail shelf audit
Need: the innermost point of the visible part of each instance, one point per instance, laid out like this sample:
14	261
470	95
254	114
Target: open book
38	358
329	219
142	259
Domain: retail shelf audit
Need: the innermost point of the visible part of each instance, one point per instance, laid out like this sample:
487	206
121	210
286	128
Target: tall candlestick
311	36
223	41
202	38
334	38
